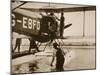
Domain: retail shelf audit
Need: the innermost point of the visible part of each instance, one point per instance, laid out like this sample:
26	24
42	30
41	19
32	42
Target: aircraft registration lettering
25	22
31	24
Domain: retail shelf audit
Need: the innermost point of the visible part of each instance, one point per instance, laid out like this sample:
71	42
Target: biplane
42	29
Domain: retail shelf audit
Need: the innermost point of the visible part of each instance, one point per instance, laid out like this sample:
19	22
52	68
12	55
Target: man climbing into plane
62	19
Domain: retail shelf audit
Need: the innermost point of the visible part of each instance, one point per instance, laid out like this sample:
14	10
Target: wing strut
19	6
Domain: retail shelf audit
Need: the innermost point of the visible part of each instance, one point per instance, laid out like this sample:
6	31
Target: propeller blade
66	26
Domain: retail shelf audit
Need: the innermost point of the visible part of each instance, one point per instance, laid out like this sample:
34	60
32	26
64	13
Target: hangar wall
79	20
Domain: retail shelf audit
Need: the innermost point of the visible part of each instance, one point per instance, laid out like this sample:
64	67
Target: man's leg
61	33
18	48
30	49
62	65
59	68
15	47
35	46
37	49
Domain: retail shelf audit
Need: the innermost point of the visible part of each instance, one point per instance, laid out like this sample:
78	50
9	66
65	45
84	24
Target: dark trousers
17	45
61	30
33	45
59	65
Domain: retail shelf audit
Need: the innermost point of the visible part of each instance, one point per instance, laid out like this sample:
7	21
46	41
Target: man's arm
57	18
52	59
